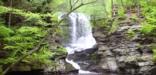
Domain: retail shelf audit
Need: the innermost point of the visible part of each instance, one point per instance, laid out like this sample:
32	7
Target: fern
148	29
28	30
8	60
20	41
42	56
4	31
149	10
3	9
18	38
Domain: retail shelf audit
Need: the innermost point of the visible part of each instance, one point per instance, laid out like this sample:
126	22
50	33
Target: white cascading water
81	38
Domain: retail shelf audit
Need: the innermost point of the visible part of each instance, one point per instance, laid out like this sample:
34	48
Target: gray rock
148	63
102	48
121	59
112	65
69	67
108	53
120	51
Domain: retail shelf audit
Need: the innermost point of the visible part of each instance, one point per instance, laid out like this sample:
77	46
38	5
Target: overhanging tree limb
38	46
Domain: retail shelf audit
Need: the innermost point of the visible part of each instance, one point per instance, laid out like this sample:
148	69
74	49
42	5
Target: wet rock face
124	55
86	59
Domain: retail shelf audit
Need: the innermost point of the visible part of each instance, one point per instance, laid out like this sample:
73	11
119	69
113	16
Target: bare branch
75	2
89	2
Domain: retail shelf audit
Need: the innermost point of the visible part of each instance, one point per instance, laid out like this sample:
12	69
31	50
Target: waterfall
80	37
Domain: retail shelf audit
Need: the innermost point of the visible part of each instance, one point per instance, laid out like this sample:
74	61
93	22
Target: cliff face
124	52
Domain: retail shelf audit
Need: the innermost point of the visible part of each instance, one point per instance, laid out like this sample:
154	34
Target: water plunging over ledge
80	37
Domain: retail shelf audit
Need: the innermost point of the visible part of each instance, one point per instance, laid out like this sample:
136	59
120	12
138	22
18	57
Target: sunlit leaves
148	29
29	30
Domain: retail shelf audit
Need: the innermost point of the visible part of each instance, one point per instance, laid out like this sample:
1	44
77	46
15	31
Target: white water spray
81	38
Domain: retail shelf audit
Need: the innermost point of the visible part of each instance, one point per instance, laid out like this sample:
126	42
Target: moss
130	34
94	56
1	70
154	54
114	26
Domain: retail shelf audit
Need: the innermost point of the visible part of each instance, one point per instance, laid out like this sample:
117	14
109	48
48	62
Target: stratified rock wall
122	54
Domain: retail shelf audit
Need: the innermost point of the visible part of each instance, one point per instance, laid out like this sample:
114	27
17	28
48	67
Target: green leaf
4	31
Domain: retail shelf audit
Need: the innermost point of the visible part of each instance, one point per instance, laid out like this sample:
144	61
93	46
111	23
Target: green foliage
130	33
41	6
1	70
9	60
148	29
114	26
19	40
100	8
1	2
27	31
149	25
154	54
29	17
121	12
149	11
42	57
104	23
60	51
4	31
3	9
24	39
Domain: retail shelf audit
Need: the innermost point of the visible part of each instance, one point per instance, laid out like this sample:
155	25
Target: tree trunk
9	19
112	7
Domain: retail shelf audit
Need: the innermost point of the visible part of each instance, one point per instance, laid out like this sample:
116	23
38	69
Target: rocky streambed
118	53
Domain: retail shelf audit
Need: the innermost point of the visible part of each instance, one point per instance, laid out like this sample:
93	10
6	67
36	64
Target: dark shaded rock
33	72
22	67
69	68
146	49
86	59
151	71
3	54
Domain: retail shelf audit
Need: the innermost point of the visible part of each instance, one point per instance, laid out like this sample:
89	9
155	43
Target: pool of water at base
41	73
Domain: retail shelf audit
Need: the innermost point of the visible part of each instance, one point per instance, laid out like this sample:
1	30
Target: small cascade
80	37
